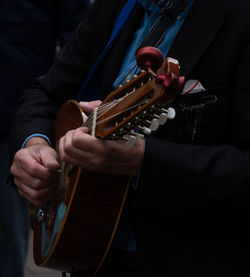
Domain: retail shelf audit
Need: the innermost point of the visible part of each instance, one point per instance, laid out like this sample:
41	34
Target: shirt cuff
36	135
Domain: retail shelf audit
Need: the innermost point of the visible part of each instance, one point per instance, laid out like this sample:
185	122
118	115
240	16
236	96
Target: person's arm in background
69	15
41	102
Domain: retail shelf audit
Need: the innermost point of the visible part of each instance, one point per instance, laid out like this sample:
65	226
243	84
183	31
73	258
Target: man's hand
80	148
115	157
88	107
33	169
35	165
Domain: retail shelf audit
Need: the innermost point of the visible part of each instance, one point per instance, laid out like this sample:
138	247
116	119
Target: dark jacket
190	212
29	33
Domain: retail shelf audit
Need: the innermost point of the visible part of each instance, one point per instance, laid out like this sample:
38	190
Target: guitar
74	231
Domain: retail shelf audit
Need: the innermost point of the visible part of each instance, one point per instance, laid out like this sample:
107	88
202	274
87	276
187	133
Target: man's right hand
33	169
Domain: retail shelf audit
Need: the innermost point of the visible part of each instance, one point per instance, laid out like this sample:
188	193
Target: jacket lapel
198	31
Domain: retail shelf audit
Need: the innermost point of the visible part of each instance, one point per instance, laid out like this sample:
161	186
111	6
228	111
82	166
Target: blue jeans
14	221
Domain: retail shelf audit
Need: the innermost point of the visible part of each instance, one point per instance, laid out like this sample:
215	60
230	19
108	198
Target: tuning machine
157	117
165	115
132	137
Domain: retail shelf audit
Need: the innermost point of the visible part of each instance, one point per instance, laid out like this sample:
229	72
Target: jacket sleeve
39	104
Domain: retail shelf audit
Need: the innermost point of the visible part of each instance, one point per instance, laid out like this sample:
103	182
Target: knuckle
16	182
33	169
38	184
76	138
18	156
13	169
67	148
36	195
63	157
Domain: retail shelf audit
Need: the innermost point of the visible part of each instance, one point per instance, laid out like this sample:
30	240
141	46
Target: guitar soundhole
60	193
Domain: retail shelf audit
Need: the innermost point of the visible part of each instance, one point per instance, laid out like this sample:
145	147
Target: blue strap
121	20
129	64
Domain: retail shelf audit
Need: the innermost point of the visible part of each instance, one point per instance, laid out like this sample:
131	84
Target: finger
68	153
34	183
39	200
81	149
24	166
81	140
30	169
49	158
36	162
77	143
34	194
88	107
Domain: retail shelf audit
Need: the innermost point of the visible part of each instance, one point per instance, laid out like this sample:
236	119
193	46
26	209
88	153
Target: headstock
138	106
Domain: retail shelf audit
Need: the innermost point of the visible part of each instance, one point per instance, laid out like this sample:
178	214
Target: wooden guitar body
87	212
74	231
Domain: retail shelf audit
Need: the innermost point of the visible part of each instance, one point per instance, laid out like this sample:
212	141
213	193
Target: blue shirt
152	13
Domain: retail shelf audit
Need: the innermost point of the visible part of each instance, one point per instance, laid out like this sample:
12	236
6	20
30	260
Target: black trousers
118	263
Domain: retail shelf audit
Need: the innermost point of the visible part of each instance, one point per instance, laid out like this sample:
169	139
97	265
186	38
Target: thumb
49	158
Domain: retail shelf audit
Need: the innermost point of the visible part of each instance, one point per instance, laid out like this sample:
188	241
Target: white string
94	122
114	115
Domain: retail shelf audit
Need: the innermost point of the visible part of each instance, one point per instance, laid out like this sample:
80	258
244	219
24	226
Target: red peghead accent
149	58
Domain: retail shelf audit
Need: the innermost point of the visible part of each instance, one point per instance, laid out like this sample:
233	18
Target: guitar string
105	108
126	110
102	109
126	76
144	42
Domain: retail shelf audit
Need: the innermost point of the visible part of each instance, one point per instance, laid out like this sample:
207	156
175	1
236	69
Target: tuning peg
154	124
138	135
171	113
145	130
163	117
131	140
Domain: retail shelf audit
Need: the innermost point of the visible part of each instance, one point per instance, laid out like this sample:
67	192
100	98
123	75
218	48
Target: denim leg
14	222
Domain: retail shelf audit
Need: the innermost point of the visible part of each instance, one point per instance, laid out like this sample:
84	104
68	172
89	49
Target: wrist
36	137
36	140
